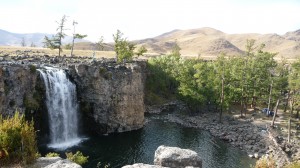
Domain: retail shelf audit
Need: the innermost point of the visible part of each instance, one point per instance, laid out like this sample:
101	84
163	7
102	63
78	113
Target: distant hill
211	42
193	42
14	39
91	46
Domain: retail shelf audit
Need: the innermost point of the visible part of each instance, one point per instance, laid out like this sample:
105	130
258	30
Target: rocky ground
61	61
251	134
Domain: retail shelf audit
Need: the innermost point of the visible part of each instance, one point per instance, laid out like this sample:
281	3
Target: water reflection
139	146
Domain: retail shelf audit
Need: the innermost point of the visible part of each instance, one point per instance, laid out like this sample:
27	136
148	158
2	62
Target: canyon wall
110	95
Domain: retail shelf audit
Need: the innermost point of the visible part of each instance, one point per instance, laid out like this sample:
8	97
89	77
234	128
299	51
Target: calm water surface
139	146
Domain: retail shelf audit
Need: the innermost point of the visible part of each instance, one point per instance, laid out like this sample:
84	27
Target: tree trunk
245	106
242	107
222	100
274	116
292	106
270	95
72	45
289	130
287	102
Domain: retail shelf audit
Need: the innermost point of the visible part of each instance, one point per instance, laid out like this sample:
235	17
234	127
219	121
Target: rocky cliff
110	95
19	90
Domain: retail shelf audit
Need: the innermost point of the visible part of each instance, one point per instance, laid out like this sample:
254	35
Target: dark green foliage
32	68
102	70
6	87
160	83
31	103
17	140
108	75
219	83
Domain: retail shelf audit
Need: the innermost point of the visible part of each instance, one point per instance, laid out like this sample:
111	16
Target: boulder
175	157
63	164
142	165
54	162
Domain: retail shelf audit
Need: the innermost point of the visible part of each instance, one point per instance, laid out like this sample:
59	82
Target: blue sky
139	19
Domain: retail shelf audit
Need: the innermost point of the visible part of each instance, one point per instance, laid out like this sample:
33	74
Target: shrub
295	164
77	157
32	68
99	165
17	140
52	154
265	162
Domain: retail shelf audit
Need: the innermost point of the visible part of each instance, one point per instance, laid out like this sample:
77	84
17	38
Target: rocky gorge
110	95
111	99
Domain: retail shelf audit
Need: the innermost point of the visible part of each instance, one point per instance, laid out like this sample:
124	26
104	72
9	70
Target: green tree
100	44
17	140
68	46
222	81
75	36
23	42
123	48
141	51
32	44
176	50
56	41
294	87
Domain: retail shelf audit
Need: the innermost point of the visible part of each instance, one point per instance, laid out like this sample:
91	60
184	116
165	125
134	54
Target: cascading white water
61	101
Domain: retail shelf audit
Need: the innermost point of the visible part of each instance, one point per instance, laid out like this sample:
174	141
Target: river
139	146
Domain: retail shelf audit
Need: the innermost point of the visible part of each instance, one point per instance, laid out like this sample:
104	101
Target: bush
52	154
295	164
77	157
17	140
32	68
265	162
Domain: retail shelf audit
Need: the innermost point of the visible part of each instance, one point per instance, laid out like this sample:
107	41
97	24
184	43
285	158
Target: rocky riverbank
256	140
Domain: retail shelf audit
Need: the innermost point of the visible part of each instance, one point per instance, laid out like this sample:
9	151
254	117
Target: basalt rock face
20	89
111	95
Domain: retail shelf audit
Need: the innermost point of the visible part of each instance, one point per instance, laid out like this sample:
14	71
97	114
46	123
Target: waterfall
61	101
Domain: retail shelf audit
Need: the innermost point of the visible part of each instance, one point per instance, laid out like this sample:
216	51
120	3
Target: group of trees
24	44
124	49
255	78
55	42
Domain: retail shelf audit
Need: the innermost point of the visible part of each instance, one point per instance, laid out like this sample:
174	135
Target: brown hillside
211	42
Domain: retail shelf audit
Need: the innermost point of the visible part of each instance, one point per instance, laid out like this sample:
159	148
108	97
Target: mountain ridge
204	41
15	39
210	41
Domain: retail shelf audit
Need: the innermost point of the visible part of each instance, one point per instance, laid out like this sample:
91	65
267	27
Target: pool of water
139	146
